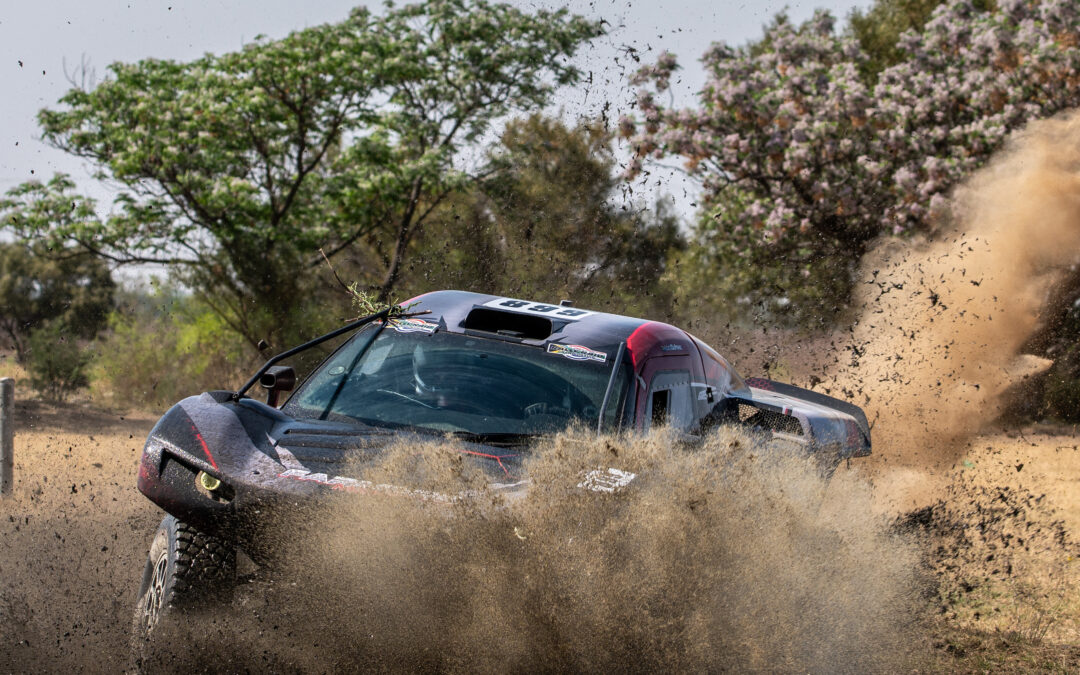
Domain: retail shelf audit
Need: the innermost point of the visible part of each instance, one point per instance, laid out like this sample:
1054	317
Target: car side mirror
275	380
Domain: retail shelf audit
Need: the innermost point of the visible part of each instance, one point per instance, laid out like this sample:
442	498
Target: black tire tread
205	565
202	577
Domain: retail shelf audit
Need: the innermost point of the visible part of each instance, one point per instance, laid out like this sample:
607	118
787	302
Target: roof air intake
510	324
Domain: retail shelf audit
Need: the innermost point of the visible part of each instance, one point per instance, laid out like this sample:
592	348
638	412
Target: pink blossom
790	129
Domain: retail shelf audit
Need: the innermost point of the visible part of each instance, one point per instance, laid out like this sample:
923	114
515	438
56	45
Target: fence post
7	435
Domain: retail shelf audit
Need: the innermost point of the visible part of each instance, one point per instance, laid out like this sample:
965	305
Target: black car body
492	371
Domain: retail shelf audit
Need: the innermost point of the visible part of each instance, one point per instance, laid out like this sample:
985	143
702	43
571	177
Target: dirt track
73	540
74	536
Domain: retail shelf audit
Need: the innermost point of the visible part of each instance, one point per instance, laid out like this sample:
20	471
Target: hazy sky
37	38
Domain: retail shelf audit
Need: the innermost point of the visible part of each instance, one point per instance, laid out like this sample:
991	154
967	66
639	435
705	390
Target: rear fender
824	423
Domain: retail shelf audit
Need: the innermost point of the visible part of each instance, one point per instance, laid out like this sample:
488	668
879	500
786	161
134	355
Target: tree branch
402	241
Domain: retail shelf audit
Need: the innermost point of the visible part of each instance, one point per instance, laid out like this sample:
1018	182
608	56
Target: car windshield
452	382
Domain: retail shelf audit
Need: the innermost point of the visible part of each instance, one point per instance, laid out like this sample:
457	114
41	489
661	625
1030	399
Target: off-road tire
186	570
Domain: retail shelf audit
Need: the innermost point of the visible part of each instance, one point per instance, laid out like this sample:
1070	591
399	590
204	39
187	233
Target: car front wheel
186	570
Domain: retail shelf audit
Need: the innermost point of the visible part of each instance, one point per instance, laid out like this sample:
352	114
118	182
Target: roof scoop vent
512	324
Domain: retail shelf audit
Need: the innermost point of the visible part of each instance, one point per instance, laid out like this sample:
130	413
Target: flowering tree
970	79
878	29
803	163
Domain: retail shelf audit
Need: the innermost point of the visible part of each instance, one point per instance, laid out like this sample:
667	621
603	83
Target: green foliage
235	169
164	346
56	362
38	286
788	283
546	223
365	303
878	31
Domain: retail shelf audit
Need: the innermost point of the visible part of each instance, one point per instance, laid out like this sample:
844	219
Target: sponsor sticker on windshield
577	352
413	326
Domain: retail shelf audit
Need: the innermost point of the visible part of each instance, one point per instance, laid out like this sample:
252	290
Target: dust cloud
719	557
942	322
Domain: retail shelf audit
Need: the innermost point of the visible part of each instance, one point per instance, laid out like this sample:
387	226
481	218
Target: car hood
247	441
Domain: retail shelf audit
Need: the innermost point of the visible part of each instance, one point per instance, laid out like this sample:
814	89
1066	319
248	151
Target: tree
545	223
776	143
155	351
236	169
803	163
68	289
879	28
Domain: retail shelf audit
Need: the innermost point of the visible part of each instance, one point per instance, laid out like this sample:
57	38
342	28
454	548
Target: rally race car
493	372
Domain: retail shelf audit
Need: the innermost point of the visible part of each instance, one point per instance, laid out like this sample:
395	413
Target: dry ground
1002	525
73	539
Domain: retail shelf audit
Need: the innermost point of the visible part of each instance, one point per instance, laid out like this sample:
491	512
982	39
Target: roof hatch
511	324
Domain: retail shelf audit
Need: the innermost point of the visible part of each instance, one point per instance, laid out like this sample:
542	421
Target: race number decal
576	352
538	309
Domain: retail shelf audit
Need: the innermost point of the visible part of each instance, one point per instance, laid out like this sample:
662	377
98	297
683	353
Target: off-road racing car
493	372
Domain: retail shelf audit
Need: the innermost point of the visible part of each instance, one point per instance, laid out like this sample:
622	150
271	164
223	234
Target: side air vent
768	419
511	324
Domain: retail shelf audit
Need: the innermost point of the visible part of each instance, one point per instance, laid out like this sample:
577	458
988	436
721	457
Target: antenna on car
359	323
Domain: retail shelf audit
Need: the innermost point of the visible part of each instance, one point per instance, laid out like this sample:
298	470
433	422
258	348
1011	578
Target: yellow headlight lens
208	482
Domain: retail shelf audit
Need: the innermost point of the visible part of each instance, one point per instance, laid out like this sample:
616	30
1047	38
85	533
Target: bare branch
83	76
